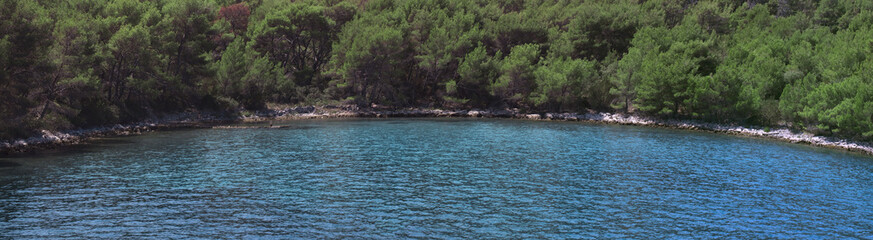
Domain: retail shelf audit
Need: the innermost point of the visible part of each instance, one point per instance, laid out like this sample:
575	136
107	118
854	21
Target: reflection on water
439	178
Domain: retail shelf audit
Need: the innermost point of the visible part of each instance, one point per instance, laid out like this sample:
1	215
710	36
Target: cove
442	178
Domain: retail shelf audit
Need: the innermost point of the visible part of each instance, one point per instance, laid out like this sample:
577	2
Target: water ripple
439	179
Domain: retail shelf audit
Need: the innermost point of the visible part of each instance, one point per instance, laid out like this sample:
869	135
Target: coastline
49	139
57	139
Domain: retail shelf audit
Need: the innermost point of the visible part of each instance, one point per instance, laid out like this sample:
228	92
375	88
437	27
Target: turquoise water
441	178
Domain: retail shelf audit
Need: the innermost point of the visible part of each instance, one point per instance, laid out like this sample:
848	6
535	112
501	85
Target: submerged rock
6	164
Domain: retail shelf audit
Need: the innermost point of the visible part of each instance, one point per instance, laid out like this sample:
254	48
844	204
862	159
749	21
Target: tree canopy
802	63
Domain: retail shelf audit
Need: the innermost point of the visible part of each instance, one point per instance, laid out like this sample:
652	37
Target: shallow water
441	178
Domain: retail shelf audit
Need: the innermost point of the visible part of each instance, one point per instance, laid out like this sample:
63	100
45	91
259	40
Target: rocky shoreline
56	139
50	139
782	134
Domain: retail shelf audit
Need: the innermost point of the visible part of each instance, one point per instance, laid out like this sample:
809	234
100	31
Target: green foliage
563	84
370	64
263	82
73	63
476	72
184	32
671	63
25	37
516	79
296	36
603	28
230	70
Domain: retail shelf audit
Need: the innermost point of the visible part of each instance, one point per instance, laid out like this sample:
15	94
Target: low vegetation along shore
52	139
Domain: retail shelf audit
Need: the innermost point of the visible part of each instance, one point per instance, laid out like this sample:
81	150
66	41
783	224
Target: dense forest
807	64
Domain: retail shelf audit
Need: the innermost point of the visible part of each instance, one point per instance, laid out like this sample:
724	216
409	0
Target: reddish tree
237	15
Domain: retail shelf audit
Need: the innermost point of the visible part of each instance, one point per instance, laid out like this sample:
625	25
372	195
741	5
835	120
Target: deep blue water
441	178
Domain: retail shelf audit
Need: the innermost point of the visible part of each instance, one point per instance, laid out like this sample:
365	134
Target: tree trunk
44	110
627	104
783	9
